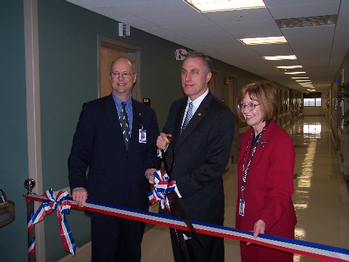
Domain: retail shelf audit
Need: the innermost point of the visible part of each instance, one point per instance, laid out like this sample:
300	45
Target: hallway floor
321	197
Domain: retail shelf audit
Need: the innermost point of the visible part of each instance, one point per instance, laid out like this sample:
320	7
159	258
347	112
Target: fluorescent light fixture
302	80
289	67
294	73
280	57
263	40
224	5
300	77
308	86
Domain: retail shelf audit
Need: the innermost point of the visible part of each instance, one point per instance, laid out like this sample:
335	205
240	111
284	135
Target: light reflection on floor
321	197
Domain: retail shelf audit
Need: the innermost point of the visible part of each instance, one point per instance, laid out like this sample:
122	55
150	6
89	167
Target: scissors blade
183	247
177	210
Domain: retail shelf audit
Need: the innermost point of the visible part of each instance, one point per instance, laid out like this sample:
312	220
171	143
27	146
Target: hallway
321	197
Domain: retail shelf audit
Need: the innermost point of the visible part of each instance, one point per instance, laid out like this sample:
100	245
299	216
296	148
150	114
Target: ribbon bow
161	188
61	202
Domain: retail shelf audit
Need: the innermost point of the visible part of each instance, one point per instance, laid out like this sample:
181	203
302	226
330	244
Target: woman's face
253	113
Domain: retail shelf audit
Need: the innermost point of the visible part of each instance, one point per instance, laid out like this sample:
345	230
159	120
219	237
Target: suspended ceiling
320	49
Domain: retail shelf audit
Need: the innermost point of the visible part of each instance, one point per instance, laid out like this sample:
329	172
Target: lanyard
245	170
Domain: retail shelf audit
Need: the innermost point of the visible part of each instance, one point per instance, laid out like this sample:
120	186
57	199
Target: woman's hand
259	228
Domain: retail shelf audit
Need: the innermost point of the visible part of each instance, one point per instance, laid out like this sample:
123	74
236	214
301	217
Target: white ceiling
319	49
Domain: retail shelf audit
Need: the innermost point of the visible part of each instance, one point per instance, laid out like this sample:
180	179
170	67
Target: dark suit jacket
269	183
115	176
201	155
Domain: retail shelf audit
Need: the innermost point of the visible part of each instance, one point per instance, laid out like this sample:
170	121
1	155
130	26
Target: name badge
242	207
142	136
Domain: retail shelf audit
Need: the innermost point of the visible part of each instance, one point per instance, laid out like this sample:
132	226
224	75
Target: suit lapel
200	113
112	114
136	124
261	149
178	121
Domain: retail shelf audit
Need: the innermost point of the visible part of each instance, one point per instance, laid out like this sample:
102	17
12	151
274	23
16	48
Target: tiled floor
321	197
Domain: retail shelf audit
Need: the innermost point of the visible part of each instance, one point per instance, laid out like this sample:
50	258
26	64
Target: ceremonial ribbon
161	187
62	203
319	251
31	244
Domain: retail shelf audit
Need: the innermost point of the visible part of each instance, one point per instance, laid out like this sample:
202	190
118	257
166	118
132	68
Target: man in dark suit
202	144
116	163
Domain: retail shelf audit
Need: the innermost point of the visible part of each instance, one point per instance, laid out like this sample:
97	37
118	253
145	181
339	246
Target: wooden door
233	91
107	55
212	84
109	50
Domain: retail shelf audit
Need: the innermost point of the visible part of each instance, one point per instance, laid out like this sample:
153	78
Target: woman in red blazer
265	174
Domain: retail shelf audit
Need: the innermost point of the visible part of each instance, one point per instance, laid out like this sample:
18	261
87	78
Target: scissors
177	210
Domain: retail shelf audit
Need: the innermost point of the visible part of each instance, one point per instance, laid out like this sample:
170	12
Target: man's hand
150	175
162	141
259	228
80	196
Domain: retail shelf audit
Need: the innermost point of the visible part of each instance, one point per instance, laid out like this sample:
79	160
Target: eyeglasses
124	74
250	106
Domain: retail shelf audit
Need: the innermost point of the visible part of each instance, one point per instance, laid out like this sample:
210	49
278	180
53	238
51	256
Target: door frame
133	53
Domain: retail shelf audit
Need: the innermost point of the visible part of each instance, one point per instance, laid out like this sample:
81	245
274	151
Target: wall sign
180	54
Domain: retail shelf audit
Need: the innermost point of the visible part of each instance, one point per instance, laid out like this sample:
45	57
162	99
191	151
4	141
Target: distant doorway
233	92
215	84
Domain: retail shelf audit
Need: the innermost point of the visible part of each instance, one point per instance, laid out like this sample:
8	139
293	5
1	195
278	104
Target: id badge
142	136
242	207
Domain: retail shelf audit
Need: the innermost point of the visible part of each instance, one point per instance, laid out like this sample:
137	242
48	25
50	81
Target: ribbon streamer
319	251
161	187
31	244
62	203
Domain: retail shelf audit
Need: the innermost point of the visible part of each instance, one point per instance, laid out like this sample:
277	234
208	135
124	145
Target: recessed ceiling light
289	67
300	77
295	73
224	5
280	57
263	40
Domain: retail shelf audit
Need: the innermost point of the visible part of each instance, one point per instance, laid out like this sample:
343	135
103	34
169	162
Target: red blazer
269	183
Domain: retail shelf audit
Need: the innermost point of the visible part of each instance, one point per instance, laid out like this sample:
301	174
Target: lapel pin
262	142
199	114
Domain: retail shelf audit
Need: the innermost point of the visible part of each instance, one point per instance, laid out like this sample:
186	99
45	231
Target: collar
197	101
118	102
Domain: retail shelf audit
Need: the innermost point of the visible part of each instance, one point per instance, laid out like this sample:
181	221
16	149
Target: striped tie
188	116
123	118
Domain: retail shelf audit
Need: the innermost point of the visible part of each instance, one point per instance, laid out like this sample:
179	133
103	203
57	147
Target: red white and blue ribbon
161	187
31	244
319	251
62	203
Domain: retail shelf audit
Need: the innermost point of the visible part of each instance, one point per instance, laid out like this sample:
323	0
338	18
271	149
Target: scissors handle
164	157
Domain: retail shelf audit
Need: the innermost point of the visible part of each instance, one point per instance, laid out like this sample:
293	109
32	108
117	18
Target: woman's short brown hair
266	93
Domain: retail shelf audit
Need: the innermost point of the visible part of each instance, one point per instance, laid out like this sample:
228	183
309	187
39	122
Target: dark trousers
213	250
116	239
